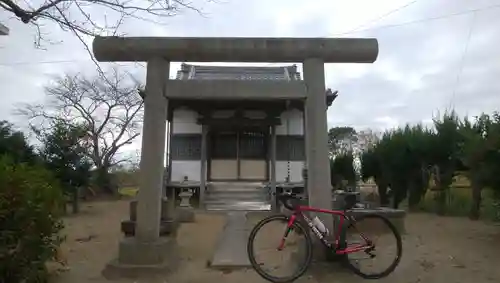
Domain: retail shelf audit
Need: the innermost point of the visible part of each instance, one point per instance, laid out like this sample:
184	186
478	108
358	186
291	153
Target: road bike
337	244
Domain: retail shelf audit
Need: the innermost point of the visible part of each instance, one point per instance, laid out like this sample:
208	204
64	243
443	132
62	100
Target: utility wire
337	34
381	17
462	60
42	62
371	21
26	63
429	19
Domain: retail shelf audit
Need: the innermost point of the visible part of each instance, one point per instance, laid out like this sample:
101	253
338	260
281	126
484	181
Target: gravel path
436	250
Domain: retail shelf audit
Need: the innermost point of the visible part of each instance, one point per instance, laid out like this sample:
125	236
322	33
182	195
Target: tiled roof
194	72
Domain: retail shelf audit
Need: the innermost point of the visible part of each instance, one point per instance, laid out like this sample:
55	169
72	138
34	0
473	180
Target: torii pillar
147	248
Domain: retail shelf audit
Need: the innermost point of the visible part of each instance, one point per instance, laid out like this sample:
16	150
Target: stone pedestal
138	259
168	225
134	252
185	213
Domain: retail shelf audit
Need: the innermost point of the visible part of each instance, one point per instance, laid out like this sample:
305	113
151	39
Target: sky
434	55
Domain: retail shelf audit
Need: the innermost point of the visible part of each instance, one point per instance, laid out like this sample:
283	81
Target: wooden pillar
168	151
170	133
304	168
170	194
203	173
274	204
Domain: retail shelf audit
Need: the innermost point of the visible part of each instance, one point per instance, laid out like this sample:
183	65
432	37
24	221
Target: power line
337	34
382	16
42	62
429	19
462	60
55	62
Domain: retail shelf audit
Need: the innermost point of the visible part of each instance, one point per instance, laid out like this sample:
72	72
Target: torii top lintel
237	49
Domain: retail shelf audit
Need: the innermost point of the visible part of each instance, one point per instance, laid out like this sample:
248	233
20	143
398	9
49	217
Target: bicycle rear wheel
391	240
295	237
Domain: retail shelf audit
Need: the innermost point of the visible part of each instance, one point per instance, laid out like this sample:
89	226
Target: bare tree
108	106
366	139
93	17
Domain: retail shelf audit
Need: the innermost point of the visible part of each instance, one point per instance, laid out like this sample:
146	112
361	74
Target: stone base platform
167	228
396	216
185	215
136	259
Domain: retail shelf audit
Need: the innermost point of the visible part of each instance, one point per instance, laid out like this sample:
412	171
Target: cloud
424	68
421	68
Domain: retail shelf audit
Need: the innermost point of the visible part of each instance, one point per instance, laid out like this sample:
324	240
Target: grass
128	191
459	202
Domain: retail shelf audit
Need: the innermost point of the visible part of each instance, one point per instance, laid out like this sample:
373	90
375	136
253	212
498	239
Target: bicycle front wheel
291	246
384	242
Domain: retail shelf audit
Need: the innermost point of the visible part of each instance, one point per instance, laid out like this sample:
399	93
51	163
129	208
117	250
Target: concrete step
235	186
236	183
237	196
239	206
233	194
231	201
236	189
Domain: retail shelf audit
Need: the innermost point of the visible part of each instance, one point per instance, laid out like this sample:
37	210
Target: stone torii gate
147	248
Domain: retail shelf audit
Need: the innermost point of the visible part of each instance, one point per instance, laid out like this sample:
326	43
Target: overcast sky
434	55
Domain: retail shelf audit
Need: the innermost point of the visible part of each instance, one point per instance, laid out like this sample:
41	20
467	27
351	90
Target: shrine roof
203	72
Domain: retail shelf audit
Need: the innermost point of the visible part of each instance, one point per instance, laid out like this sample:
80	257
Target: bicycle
302	224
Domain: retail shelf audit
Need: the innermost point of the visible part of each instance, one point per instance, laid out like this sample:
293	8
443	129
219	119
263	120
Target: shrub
30	206
458	203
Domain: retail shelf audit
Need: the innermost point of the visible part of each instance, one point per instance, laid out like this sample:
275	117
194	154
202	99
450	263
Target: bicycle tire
396	261
308	253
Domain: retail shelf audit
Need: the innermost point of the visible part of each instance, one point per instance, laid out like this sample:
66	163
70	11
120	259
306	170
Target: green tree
419	142
406	158
342	168
14	144
30	210
444	156
371	167
65	155
399	161
481	143
493	158
340	139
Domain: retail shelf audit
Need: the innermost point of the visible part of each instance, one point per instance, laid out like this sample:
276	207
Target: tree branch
108	107
59	11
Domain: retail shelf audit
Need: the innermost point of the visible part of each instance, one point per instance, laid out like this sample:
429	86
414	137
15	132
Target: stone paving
230	252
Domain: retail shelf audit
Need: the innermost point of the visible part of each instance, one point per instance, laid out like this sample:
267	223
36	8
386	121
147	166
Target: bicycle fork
287	231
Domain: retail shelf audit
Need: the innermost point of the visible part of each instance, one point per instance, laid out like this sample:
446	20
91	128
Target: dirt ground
436	249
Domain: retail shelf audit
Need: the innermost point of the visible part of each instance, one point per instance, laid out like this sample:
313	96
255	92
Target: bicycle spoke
379	247
275	250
